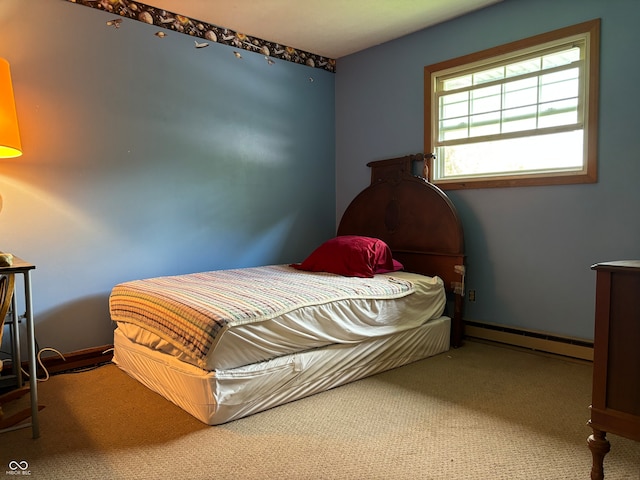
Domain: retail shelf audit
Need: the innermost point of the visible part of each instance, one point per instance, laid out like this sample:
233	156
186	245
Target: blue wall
529	249
145	156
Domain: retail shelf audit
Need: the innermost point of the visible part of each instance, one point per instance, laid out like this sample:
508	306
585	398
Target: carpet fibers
482	412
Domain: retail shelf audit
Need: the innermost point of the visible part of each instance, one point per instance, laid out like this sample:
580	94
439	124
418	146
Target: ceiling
331	28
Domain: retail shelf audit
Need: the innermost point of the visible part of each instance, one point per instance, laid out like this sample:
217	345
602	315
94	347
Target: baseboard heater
531	339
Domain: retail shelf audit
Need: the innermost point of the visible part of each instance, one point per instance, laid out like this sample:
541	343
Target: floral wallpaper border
206	31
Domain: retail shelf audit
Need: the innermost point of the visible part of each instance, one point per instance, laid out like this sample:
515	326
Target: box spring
216	397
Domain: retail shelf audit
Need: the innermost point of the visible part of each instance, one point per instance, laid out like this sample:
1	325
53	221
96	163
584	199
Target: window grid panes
523	113
508	99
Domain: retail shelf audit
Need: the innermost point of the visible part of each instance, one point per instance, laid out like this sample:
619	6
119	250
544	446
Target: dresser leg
599	446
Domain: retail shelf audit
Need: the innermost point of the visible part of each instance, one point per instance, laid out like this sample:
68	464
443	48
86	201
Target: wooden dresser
615	400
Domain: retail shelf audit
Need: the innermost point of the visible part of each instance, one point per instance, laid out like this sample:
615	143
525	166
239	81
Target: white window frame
587	36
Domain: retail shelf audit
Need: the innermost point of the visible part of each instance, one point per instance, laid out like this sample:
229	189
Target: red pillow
396	267
351	256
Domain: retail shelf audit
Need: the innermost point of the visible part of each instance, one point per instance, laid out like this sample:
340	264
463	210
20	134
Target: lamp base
6	259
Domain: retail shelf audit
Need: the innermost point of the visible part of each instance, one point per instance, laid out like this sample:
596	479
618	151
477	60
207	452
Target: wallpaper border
212	33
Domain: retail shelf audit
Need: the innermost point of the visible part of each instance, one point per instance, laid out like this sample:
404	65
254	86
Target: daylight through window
520	114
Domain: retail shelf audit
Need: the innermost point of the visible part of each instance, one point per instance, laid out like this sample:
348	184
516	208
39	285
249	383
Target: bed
226	344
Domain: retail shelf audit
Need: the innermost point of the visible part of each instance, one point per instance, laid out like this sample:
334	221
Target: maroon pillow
396	267
351	256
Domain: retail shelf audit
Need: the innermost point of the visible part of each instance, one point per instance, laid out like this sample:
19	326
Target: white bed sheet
343	322
225	395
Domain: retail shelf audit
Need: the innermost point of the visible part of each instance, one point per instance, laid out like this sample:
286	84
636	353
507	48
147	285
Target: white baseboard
539	341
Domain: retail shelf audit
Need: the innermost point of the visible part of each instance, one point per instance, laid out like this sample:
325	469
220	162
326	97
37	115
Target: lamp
9	134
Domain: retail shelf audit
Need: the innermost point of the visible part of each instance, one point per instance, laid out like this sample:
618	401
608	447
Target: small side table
22	267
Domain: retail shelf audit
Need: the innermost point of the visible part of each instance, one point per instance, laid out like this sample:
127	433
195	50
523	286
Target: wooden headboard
418	222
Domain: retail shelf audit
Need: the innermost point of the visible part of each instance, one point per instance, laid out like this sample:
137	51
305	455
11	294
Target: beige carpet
479	412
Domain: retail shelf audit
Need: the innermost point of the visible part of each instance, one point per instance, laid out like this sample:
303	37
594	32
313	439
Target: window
519	114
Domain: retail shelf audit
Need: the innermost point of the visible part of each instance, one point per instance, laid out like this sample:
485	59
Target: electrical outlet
472	295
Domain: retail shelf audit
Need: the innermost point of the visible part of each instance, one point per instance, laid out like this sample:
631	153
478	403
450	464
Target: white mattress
344	322
216	397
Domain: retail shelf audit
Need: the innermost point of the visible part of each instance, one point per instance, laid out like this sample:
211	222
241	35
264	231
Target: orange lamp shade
9	134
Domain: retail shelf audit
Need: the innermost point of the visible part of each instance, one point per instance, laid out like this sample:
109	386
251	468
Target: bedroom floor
481	411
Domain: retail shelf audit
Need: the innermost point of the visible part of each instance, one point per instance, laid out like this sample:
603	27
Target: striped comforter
190	310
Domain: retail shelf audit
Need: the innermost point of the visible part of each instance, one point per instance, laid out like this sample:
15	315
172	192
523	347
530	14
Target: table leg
599	446
31	344
15	342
